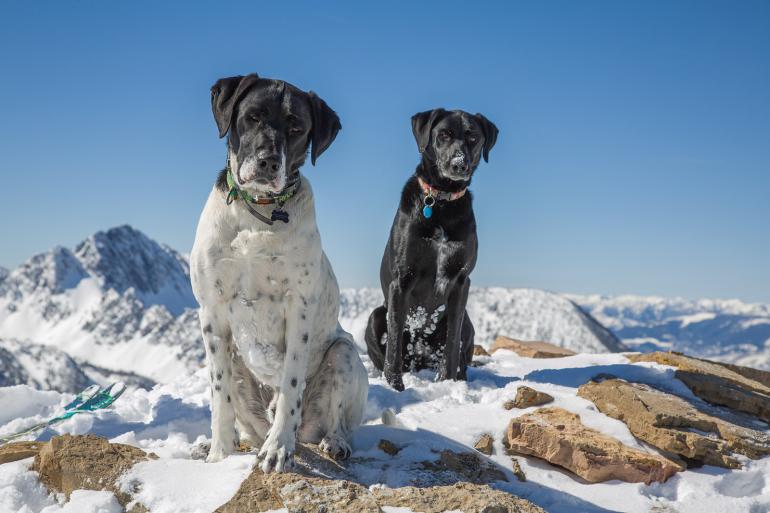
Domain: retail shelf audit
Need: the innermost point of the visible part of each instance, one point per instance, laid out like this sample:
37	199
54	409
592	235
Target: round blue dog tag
427	211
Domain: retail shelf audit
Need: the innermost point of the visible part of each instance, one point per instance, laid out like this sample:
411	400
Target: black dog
431	253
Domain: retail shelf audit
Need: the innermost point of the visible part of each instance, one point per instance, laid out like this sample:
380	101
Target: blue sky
633	157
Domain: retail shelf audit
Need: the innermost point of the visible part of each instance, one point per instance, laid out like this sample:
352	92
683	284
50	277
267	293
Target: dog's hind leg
376	336
218	344
334	400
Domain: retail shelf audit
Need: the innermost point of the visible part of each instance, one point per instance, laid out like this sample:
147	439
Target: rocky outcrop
738	388
675	426
86	462
559	437
68	463
310	494
462	466
527	397
485	444
465	497
16	451
533	349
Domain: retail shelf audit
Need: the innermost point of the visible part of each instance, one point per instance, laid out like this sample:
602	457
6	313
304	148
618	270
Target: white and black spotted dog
281	367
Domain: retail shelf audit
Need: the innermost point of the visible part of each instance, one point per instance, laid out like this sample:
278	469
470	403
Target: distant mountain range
120	305
728	330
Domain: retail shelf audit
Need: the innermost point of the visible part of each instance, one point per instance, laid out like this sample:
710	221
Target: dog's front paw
336	447
217	452
200	451
395	380
277	453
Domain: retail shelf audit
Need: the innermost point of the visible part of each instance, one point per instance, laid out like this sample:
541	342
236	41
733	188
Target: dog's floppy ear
326	124
225	95
490	134
422	124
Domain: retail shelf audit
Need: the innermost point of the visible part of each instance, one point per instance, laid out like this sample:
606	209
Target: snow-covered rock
726	330
525	314
42	367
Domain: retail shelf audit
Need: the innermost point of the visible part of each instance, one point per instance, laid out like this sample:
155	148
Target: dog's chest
258	277
448	259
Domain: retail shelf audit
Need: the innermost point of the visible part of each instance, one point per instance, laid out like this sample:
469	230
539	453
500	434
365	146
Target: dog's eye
472	138
444	135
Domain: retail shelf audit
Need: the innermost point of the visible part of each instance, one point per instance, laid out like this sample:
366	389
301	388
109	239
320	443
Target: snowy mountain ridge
122	304
729	330
119	301
525	314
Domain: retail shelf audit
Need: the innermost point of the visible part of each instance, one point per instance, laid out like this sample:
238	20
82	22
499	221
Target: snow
22	492
727	330
171	419
121	303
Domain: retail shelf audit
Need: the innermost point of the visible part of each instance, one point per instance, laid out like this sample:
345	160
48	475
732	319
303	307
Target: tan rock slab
530	349
15	451
485	444
527	397
86	462
559	437
675	426
311	494
739	388
465	497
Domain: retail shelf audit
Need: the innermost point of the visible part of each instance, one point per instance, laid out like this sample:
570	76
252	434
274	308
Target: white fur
245	172
280	364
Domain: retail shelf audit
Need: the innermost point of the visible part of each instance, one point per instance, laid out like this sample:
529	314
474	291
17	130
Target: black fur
253	111
423	253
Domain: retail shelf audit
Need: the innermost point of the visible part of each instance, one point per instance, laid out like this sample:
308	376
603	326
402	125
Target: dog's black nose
460	168
270	163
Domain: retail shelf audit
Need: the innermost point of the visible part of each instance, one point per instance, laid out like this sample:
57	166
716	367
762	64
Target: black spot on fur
207	328
299	403
285	281
272	298
228	398
303	315
307	272
338	406
218	388
219	376
294	382
292	412
305	338
212	348
294	356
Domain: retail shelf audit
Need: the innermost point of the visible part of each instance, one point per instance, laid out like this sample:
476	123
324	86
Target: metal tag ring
429	200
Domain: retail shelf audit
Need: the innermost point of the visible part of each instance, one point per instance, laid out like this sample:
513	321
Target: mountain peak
56	270
123	257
